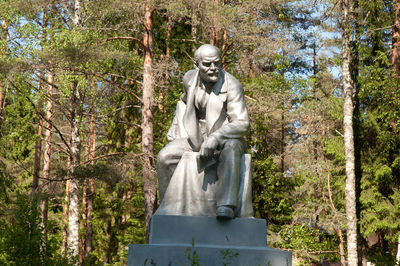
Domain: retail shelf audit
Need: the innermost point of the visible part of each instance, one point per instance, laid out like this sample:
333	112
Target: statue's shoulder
188	76
232	82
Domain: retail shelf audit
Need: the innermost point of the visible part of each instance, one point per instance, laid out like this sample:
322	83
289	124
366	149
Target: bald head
206	50
207	59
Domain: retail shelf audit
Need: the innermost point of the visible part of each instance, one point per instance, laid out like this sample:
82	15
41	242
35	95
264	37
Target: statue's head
207	59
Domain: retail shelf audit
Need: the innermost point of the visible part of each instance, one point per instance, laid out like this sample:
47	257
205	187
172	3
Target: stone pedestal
183	240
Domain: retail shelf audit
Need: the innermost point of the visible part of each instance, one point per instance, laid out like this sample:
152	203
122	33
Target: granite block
205	230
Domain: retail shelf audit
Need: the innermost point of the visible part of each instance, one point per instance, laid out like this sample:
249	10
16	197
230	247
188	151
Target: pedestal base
158	254
185	240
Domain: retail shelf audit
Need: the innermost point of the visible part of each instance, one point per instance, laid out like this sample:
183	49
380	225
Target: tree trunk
88	185
4	33
166	81
43	206
47	141
77	19
396	39
315	70
73	212
224	48
396	72
194	31
90	195
74	153
339	237
282	141
47	149
38	144
65	210
337	229
84	220
398	251
168	48
350	191
149	181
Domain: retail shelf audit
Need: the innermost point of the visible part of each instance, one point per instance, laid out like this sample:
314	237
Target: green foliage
227	256
118	219
378	133
313	245
270	192
18	131
21	237
192	256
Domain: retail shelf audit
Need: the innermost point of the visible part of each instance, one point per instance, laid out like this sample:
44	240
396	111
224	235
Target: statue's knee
233	145
162	157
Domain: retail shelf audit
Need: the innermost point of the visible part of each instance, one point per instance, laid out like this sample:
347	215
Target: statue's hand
208	147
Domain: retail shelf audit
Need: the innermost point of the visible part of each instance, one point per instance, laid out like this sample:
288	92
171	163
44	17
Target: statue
203	173
211	119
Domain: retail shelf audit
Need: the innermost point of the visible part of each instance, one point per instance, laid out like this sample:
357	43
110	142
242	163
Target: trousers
228	170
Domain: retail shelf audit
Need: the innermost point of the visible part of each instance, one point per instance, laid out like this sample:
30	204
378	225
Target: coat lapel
216	102
189	118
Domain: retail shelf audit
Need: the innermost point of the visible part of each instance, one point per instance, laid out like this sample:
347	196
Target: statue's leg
229	175
167	160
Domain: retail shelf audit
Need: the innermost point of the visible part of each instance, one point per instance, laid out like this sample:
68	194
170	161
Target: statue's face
209	65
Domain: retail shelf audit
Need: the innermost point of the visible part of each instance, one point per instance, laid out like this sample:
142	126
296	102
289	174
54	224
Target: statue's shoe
225	212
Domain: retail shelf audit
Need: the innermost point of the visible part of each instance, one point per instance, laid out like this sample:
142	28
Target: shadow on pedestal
206	241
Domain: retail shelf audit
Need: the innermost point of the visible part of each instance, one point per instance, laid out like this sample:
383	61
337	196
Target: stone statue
211	119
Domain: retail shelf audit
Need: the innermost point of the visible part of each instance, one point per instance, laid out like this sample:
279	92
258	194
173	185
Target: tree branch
125	38
43	116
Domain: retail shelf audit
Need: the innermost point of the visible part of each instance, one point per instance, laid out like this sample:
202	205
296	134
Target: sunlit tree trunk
168	48
282	141
65	210
396	38
396	72
338	230
149	180
350	191
84	219
4	33
166	76
398	251
38	143
224	48
47	134
47	154
88	184
90	193
73	208
194	26
38	149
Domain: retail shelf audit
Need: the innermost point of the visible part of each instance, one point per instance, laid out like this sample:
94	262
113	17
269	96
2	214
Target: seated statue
211	119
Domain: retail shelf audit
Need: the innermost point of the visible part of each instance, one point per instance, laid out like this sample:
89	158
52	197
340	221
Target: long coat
226	111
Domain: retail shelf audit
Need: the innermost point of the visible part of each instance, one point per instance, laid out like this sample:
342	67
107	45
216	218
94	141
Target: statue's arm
176	130
236	110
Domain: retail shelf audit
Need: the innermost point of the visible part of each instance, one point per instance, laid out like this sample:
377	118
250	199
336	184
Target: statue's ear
195	65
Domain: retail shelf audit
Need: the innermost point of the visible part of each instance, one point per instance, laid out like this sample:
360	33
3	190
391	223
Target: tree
348	90
73	208
396	38
149	180
49	92
396	70
4	33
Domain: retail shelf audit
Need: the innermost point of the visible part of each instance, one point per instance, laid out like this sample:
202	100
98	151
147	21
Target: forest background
88	90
